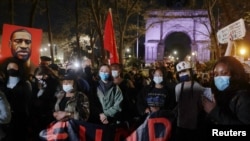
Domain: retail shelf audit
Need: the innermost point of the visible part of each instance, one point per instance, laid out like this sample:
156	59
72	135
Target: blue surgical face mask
184	77
221	82
12	81
104	76
158	79
115	73
68	88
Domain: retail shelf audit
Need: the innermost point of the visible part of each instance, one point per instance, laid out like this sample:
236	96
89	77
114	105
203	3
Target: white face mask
114	73
158	79
12	81
68	88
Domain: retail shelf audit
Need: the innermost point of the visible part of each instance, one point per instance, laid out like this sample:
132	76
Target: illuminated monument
184	31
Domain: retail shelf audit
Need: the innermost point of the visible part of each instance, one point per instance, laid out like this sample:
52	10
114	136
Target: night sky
22	13
59	12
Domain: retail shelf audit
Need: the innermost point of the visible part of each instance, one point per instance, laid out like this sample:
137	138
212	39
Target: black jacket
233	112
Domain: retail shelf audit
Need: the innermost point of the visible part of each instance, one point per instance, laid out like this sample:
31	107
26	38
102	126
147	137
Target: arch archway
184	30
177	44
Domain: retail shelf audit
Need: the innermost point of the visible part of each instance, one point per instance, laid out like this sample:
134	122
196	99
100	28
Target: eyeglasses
19	41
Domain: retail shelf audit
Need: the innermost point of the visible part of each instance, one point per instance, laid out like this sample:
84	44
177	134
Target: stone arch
193	25
179	42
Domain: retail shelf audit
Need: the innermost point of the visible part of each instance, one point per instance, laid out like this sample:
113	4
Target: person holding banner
71	103
156	89
44	86
128	92
106	99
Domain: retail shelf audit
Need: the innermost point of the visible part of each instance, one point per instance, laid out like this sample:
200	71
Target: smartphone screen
208	93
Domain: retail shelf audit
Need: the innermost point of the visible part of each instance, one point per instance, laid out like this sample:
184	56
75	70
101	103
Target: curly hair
239	76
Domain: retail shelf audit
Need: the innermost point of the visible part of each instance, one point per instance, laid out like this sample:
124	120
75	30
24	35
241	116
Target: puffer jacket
78	105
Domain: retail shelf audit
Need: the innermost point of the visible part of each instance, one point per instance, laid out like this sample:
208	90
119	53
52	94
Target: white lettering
217	132
214	132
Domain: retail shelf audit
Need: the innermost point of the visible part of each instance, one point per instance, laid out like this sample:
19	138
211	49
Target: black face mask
12	72
88	70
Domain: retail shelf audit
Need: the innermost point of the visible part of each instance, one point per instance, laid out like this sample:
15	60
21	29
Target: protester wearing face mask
230	86
71	103
13	78
190	114
44	87
106	99
18	93
128	91
156	89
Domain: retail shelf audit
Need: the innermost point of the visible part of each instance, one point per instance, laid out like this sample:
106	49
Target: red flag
109	39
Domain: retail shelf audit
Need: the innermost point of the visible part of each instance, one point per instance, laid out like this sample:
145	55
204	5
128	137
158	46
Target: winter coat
5	114
107	99
238	109
78	105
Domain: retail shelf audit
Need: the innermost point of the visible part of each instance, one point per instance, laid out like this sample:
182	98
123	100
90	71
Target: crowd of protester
115	96
34	97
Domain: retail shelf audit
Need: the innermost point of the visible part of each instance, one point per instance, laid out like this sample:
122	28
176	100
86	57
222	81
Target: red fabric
109	39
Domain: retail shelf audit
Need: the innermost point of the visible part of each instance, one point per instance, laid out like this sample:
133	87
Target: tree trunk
12	21
33	13
49	32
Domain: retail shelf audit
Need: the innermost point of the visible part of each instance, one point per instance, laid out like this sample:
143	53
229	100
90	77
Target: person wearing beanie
45	60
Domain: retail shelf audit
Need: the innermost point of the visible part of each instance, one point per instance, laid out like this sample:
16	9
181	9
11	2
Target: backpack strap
192	87
182	85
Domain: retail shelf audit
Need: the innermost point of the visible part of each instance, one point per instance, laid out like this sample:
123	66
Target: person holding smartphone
231	90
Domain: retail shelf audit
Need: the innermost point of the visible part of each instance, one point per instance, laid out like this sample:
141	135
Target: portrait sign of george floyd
36	38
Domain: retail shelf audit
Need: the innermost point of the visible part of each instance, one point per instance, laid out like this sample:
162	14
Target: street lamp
189	58
193	53
43	51
128	50
242	53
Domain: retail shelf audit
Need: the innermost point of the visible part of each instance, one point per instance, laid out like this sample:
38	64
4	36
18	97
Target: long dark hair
110	75
118	66
238	81
22	69
42	70
239	77
164	75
